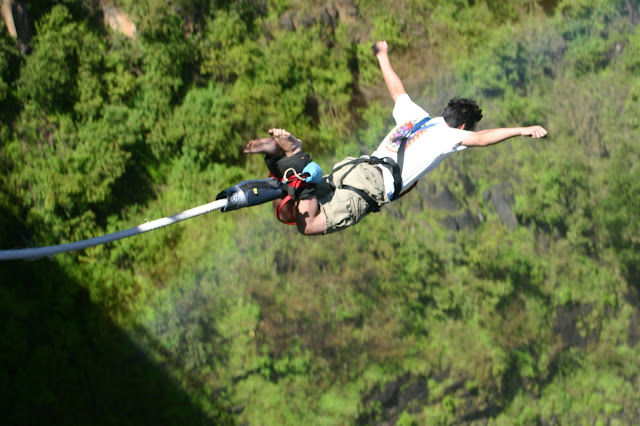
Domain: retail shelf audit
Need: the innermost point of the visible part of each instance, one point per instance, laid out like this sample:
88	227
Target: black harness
394	167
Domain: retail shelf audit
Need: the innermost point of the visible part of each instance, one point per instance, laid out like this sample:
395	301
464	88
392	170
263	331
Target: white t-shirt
424	151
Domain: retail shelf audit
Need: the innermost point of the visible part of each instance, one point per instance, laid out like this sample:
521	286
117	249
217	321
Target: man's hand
380	47
492	136
534	131
393	82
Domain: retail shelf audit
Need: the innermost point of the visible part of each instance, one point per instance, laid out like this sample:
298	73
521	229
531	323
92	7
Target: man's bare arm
394	84
493	136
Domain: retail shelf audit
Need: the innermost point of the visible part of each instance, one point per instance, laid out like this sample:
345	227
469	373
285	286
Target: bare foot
285	140
267	146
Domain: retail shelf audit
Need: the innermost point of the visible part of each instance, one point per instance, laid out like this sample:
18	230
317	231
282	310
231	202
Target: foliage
9	65
48	78
517	303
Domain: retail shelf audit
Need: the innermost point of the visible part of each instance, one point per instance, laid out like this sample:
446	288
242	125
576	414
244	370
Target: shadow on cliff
64	362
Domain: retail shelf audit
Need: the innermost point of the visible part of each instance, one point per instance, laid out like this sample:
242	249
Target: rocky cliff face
118	20
14	14
16	18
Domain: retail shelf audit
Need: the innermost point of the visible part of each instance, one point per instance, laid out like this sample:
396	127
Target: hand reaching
380	47
534	131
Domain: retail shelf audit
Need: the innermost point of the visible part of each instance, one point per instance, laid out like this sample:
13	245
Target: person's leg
281	143
286	141
266	146
287	213
309	217
269	147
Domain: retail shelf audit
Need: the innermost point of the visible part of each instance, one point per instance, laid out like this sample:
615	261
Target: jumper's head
462	113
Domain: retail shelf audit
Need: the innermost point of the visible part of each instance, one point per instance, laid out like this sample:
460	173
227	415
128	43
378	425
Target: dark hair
461	111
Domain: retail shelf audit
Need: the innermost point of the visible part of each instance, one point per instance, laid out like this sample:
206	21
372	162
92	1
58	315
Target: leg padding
279	165
251	193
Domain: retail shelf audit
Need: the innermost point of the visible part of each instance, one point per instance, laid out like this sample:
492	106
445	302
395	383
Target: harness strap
396	172
276	167
403	141
284	201
373	205
293	182
394	167
386	162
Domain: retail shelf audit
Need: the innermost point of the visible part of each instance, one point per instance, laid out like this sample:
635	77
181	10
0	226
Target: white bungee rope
30	253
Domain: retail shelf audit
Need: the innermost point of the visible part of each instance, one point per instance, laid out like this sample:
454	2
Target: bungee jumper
359	186
319	204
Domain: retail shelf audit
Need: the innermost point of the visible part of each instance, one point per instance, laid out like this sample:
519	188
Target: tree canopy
504	290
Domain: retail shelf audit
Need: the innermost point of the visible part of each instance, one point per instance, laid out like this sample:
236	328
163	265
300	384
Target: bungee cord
37	252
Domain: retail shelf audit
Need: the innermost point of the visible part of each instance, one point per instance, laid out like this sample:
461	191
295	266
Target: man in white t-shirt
414	147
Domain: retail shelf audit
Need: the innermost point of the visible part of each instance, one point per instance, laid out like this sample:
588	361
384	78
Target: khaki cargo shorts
344	207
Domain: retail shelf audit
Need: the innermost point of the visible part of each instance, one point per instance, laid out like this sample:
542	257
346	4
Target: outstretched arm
394	84
493	136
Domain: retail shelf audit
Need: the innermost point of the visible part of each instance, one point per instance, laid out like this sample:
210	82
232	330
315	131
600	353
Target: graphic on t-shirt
393	142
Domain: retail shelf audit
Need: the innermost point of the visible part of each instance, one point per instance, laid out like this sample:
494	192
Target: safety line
36	252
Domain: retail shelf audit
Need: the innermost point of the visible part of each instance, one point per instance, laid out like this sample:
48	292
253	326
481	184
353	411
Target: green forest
504	290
